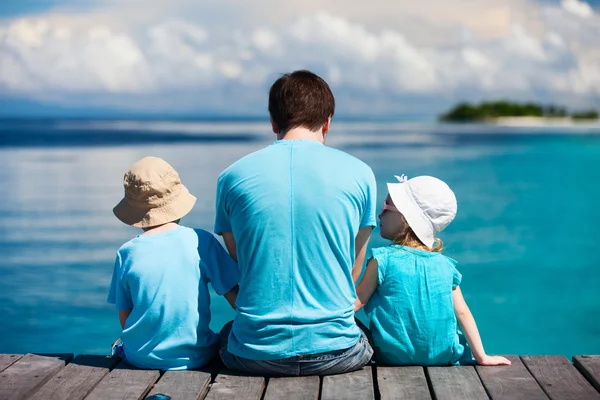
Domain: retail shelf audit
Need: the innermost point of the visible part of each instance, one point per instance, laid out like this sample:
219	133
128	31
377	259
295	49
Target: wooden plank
352	385
589	366
402	383
6	360
125	382
183	385
559	378
293	388
77	379
461	382
510	382
229	385
29	373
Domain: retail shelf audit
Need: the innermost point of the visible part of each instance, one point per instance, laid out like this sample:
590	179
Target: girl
412	290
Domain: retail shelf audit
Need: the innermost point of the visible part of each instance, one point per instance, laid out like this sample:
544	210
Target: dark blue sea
526	235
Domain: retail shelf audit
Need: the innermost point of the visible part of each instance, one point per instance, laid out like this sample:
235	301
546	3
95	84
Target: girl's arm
123	314
469	328
367	285
231	296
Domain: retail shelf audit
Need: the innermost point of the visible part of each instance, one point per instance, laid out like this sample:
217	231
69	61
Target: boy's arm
220	268
123	314
231	296
361	242
469	327
367	286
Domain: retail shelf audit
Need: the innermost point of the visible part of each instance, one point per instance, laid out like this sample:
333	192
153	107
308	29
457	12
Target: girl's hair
408	238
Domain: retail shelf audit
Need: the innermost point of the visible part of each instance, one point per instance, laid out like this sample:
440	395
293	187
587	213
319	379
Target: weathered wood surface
28	373
124	383
88	377
183	385
228	385
401	383
589	366
77	379
510	382
559	378
300	388
6	360
357	385
456	383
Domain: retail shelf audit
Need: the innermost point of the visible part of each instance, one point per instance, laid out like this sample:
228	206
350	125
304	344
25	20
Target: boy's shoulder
128	245
143	241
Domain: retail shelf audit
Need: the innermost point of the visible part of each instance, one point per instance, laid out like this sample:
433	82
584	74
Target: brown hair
300	98
409	238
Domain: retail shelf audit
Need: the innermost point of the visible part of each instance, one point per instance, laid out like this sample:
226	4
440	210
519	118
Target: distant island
498	110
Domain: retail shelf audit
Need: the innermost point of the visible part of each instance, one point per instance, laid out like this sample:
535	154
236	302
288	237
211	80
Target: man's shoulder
241	164
348	159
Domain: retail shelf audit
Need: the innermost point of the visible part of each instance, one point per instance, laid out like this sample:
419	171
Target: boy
159	283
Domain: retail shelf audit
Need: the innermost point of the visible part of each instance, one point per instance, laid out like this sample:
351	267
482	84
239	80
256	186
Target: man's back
295	209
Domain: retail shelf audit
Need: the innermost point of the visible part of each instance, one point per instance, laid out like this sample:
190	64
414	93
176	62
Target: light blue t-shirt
411	311
295	208
163	278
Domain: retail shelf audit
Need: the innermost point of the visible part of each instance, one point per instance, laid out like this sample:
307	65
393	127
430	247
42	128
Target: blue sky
380	57
15	8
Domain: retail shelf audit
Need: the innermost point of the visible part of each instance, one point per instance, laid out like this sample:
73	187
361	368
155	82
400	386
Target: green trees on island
466	112
590	114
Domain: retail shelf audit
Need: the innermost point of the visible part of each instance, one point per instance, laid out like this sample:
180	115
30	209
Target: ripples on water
524	235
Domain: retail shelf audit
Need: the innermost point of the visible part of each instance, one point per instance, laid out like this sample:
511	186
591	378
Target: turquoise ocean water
524	237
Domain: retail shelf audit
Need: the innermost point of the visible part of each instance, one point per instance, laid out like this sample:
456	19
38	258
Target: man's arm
123	314
230	244
231	296
361	242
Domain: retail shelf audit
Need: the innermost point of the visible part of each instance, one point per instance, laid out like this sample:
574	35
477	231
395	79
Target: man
297	216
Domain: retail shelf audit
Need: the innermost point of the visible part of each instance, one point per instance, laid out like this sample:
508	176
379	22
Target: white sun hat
427	203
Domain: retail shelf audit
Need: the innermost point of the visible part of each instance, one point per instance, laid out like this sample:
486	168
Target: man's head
300	99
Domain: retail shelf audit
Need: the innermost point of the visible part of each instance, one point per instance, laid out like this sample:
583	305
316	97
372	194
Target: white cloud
579	8
178	62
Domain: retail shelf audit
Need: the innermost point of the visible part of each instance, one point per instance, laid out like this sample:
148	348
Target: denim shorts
329	363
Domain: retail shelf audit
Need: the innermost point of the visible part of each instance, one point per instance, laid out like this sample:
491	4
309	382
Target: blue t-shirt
163	278
295	208
411	311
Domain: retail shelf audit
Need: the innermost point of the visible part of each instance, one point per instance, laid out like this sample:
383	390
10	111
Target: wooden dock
62	377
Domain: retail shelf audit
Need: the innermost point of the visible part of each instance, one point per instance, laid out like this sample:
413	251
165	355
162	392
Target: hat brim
405	203
148	217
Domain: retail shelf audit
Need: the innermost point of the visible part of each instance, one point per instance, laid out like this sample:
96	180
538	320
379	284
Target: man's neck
301	133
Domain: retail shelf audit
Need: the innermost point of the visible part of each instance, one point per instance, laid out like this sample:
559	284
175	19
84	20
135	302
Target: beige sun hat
154	195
